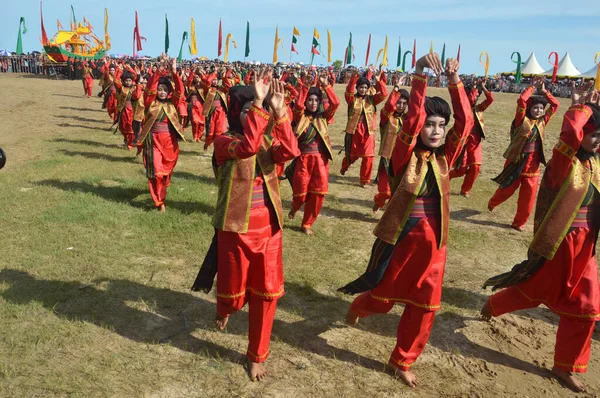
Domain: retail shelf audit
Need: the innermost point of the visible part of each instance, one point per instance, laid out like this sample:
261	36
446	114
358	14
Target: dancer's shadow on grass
331	212
68	95
130	158
153	315
467	214
86	142
72	108
81	126
209	180
344	180
79	118
128	195
107	304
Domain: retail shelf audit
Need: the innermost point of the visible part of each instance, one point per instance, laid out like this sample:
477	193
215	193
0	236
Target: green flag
399	59
74	20
404	60
183	39
247	39
444	55
349	52
19	39
166	35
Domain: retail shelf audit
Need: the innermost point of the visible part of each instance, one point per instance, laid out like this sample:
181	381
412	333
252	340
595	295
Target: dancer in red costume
127	93
360	129
195	100
409	254
469	162
310	179
389	125
249	216
561	270
215	105
161	131
108	90
88	77
525	152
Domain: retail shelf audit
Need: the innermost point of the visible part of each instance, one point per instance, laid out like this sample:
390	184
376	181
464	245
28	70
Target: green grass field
94	283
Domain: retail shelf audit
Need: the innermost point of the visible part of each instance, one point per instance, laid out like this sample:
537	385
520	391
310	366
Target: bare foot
466	195
520	228
375	208
407	377
292	214
351	317
256	371
162	209
307	231
570	380
221	321
486	312
365	185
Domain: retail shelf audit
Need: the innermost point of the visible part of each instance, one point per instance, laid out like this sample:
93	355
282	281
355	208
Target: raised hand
261	83
581	93
277	98
431	61
452	67
323	79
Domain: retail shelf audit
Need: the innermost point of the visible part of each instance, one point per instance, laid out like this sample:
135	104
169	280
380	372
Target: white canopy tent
531	66
591	73
565	68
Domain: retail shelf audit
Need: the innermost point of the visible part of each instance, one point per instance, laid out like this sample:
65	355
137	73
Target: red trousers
111	104
310	184
573	339
471	163
366	167
525	202
250	270
88	85
413	329
165	152
126	125
383	188
197	131
528	182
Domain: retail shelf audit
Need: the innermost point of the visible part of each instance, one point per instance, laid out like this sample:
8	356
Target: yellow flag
486	64
384	61
193	48
378	56
597	82
226	53
316	34
328	46
431	48
106	36
296	31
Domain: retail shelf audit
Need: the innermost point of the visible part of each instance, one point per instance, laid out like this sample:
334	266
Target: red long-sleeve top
328	114
571	135
521	112
152	86
389	108
378	97
416	117
283	148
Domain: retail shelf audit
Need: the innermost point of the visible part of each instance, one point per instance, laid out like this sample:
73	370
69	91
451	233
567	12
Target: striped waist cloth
530	147
426	207
217	102
584	218
313	147
160	127
259	196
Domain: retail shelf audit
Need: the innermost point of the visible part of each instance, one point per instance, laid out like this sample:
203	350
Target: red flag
458	55
220	44
554	65
136	34
414	54
44	35
294	49
368	51
314	50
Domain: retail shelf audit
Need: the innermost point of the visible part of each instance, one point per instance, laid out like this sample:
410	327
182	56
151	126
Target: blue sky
498	27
